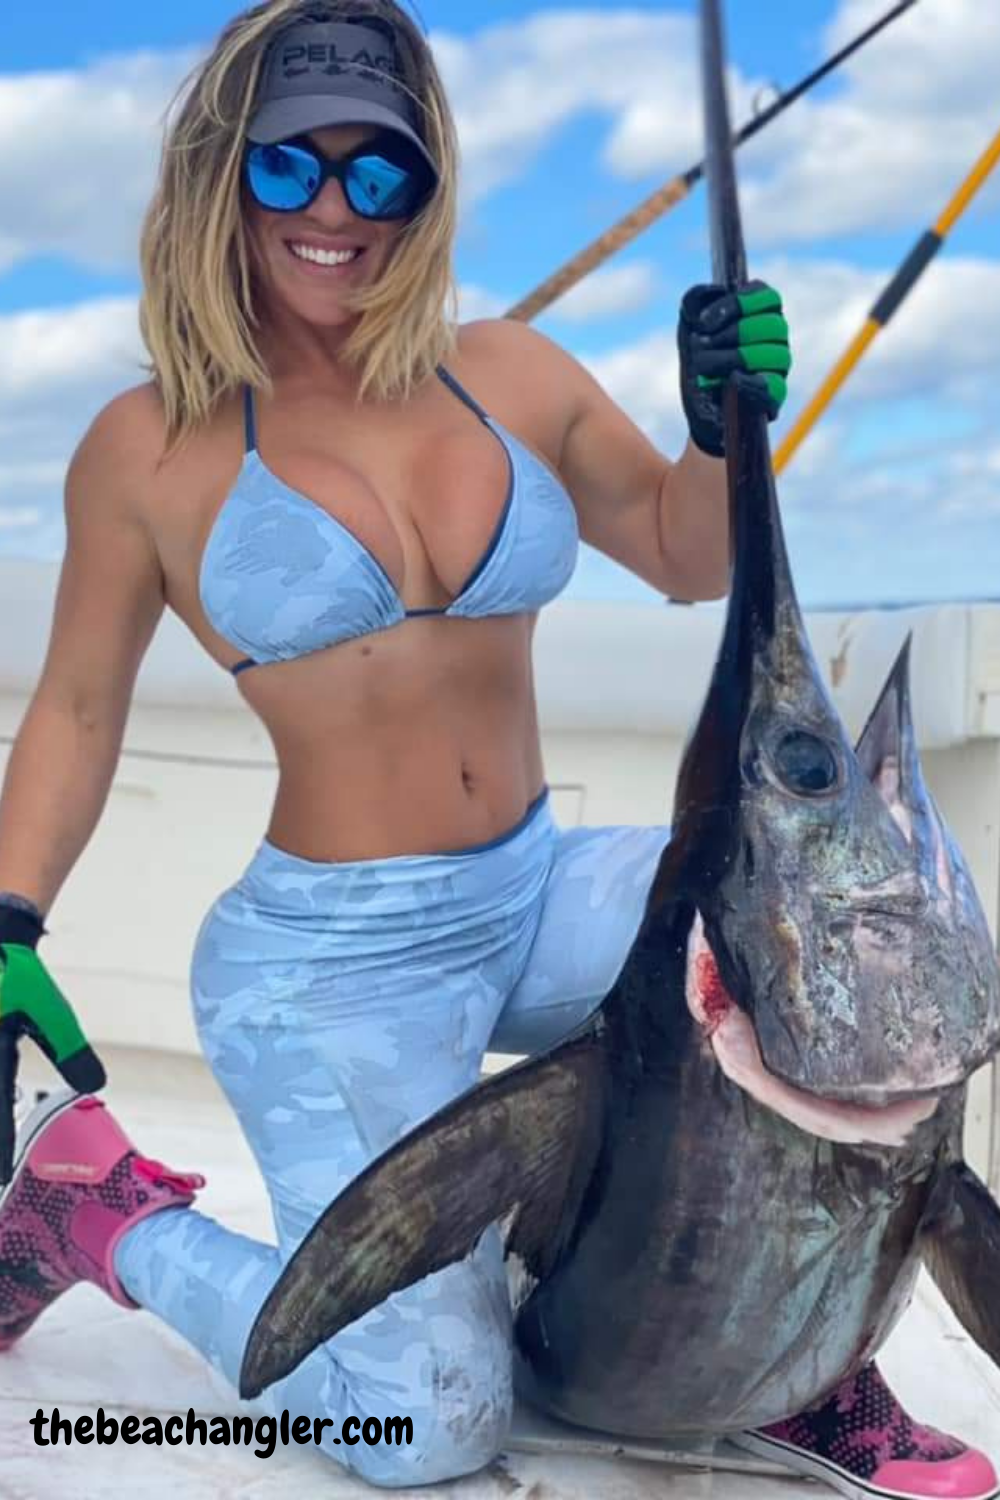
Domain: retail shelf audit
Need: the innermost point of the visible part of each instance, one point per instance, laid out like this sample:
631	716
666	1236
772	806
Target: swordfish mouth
734	1043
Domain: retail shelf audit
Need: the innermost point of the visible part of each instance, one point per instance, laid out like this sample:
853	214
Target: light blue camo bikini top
281	577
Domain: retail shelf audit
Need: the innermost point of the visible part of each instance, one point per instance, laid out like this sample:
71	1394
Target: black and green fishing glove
739	336
31	1004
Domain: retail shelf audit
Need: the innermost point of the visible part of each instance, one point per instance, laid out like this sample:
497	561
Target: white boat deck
87	1353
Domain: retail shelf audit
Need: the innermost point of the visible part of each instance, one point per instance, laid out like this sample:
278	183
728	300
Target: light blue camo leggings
339	1005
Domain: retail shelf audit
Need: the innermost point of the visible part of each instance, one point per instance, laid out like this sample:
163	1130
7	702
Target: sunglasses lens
282	177
382	189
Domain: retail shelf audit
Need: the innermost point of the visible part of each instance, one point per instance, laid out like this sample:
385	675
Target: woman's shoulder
128	430
123	441
512	362
124	463
130	433
504	339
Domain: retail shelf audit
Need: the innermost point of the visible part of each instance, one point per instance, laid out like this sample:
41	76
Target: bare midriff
421	739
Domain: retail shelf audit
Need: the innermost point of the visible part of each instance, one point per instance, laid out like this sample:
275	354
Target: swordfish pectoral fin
521	1146
961	1248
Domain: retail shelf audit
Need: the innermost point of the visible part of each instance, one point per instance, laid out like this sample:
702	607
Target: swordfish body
762	1233
720	1188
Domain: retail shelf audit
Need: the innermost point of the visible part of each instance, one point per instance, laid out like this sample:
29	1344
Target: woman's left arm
665	521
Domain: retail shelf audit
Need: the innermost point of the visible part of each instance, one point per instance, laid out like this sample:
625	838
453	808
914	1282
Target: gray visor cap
332	73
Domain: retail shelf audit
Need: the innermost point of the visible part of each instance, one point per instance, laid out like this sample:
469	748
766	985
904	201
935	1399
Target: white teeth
324	257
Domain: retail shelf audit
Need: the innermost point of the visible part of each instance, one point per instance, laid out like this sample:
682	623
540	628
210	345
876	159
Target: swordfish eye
805	763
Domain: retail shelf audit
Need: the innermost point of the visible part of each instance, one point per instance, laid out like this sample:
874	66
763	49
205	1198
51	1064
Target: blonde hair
197	314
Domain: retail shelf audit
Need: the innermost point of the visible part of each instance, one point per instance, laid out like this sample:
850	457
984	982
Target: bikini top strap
462	393
249	424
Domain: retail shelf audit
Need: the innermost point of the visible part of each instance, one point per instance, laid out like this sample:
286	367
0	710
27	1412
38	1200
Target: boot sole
810	1464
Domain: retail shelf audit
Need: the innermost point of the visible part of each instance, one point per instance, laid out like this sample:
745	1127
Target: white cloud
900	126
661	128
943	54
57	347
58	367
477	302
19	518
910	114
44	472
78	155
985	461
54	352
513	86
943	342
609	293
927	526
973	488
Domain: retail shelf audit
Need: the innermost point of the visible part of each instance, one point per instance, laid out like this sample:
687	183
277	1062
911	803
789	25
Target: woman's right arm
109	600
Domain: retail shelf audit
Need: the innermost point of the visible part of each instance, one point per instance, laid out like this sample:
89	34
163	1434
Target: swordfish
721	1186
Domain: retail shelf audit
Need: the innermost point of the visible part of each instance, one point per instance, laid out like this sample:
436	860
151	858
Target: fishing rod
901	284
673	192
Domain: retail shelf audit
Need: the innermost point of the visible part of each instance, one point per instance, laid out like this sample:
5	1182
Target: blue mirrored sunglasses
381	179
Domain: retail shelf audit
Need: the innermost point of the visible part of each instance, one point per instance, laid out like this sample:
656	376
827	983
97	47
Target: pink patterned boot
78	1185
862	1442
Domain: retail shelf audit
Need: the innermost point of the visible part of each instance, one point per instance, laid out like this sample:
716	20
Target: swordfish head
839	958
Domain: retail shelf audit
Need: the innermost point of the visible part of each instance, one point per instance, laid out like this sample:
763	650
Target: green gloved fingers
32	1004
758	297
765	328
766	359
777	389
719	364
723	335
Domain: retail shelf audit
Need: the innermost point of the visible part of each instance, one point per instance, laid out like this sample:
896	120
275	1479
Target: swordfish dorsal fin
961	1247
886	746
887	753
526	1141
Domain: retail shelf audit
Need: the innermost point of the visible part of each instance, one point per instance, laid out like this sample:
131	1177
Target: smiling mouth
329	262
737	1052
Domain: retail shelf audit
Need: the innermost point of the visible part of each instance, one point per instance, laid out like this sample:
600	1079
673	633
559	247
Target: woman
358	511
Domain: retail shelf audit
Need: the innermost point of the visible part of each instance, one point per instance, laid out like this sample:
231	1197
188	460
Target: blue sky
75	33
889	501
